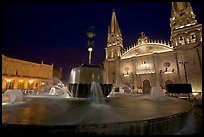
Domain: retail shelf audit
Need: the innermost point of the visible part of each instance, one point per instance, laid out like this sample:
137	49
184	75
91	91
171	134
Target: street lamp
90	35
184	65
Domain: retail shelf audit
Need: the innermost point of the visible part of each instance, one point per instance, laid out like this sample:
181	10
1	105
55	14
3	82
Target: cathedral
149	63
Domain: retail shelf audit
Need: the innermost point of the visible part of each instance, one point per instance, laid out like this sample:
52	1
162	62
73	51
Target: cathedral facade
149	63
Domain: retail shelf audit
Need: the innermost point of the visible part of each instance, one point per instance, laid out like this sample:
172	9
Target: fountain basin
12	96
86	73
125	115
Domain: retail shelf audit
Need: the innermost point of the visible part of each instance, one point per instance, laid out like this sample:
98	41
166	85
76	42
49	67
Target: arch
168	82
187	21
127	84
146	86
193	37
11	84
4	85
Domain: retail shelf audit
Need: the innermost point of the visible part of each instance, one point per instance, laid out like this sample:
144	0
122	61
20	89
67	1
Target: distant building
57	72
20	74
147	63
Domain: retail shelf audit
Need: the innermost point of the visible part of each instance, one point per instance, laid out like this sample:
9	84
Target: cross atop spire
142	39
142	34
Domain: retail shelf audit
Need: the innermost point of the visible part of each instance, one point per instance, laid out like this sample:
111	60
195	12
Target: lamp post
90	35
184	65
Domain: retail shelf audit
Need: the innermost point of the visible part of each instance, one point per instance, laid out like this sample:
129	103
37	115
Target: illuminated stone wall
158	68
57	72
152	62
20	74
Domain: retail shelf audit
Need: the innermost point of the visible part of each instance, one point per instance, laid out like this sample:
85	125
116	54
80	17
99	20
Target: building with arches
24	75
147	62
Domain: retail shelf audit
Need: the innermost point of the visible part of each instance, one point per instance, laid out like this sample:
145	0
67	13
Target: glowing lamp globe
90	49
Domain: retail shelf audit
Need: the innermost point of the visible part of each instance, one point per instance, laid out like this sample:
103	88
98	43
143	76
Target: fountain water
54	88
97	93
121	89
122	116
157	94
12	96
52	91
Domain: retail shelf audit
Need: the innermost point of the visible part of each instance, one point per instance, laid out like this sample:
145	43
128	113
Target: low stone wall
169	125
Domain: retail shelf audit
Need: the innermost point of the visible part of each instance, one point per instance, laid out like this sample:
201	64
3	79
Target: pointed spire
173	11
108	30
189	7
181	6
114	24
181	11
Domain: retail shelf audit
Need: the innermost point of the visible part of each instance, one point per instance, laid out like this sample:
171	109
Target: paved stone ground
198	115
195	127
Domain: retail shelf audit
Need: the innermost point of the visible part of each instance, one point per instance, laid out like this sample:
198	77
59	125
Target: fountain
157	94
97	93
81	78
12	96
115	115
121	89
122	115
53	89
51	111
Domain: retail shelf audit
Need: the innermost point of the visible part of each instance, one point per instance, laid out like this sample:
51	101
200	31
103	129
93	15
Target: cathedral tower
115	42
186	38
184	27
114	51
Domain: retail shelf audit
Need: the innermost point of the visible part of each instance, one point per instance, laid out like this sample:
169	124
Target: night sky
56	32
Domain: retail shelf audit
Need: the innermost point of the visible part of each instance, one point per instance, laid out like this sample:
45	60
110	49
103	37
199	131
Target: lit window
181	40
193	38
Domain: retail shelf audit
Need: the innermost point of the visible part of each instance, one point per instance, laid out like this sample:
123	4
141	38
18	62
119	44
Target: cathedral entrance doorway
146	87
168	82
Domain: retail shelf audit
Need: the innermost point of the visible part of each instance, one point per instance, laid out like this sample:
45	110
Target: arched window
193	38
187	21
181	40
